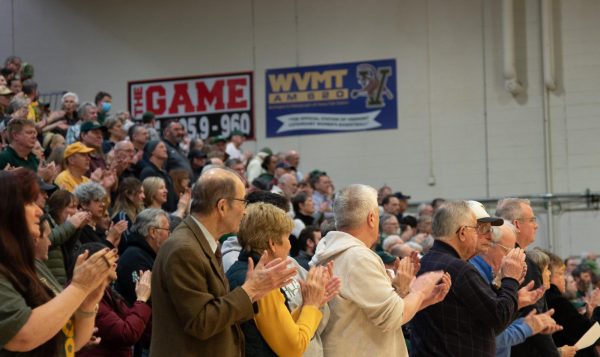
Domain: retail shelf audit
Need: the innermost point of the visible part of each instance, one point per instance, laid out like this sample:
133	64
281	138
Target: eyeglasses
164	229
479	229
244	201
461	227
530	219
484	229
504	248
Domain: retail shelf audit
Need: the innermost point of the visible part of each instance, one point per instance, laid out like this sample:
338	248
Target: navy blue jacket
467	321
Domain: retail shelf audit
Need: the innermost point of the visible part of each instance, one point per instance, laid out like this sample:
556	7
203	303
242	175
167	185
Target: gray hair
449	217
510	208
89	191
539	258
283	179
84	108
422	207
498	232
384	218
353	204
147	219
70	94
15	104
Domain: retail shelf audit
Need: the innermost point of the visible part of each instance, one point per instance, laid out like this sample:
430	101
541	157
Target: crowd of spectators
124	236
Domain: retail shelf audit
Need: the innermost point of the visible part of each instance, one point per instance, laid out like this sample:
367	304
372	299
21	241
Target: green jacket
64	240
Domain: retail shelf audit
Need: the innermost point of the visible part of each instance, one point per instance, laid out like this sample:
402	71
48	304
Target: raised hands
115	231
405	274
89	273
263	278
143	286
432	286
542	323
80	219
528	295
313	288
513	265
333	286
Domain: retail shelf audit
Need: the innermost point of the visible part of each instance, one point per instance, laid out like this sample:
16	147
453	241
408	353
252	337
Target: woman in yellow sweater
264	232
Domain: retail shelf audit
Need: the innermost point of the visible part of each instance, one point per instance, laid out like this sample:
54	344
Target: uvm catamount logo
373	82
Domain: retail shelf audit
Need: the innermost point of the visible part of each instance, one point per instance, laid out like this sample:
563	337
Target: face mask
106	107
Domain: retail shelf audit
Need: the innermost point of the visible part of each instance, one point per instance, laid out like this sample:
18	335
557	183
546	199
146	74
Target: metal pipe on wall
546	7
547	39
511	81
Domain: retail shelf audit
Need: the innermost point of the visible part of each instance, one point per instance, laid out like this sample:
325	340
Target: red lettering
181	97
210	97
138	101
155	99
236	92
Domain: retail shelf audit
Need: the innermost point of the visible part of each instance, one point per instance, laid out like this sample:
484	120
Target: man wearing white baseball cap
484	225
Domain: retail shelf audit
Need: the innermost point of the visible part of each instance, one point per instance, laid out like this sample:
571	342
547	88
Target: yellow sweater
288	334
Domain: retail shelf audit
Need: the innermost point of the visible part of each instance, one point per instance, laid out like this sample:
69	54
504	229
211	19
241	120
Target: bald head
213	185
293	158
124	145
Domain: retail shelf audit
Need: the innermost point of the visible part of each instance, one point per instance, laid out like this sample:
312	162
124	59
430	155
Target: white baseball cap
481	214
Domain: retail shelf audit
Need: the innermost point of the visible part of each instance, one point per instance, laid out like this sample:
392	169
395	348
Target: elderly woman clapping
264	234
36	315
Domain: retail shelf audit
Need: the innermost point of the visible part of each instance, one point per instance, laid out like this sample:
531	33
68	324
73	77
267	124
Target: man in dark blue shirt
467	321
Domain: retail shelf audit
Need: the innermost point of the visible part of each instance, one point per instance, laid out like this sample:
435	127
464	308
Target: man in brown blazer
194	313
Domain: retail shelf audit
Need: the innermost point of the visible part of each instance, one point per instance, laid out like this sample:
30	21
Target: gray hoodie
366	316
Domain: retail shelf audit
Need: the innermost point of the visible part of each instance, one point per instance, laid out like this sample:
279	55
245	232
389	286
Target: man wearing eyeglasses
467	321
520	214
193	311
488	264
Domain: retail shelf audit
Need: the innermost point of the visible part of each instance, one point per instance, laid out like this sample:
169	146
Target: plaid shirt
467	321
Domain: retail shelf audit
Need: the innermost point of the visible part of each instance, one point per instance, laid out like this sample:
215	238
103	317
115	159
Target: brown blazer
193	312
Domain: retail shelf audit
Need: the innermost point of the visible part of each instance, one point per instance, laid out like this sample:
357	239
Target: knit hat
149	148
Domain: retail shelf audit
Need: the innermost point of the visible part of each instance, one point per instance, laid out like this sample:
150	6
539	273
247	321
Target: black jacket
540	344
575	324
255	344
177	160
138	255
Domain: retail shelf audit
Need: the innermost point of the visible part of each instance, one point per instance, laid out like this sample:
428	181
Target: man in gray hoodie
367	316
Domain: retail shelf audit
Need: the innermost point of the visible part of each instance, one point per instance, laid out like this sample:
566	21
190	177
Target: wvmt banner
332	98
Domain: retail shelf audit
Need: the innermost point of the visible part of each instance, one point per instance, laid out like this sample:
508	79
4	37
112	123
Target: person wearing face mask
103	101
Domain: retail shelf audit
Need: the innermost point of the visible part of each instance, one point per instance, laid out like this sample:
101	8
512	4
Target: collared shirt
467	321
10	156
318	199
209	237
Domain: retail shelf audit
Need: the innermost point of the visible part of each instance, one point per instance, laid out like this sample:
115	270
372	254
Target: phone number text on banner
208	106
331	98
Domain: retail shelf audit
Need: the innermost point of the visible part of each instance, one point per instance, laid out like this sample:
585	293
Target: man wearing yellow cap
77	163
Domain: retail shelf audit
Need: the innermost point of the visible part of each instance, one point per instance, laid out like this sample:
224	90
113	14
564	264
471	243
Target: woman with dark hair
36	317
129	202
267	178
66	223
119	326
181	181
